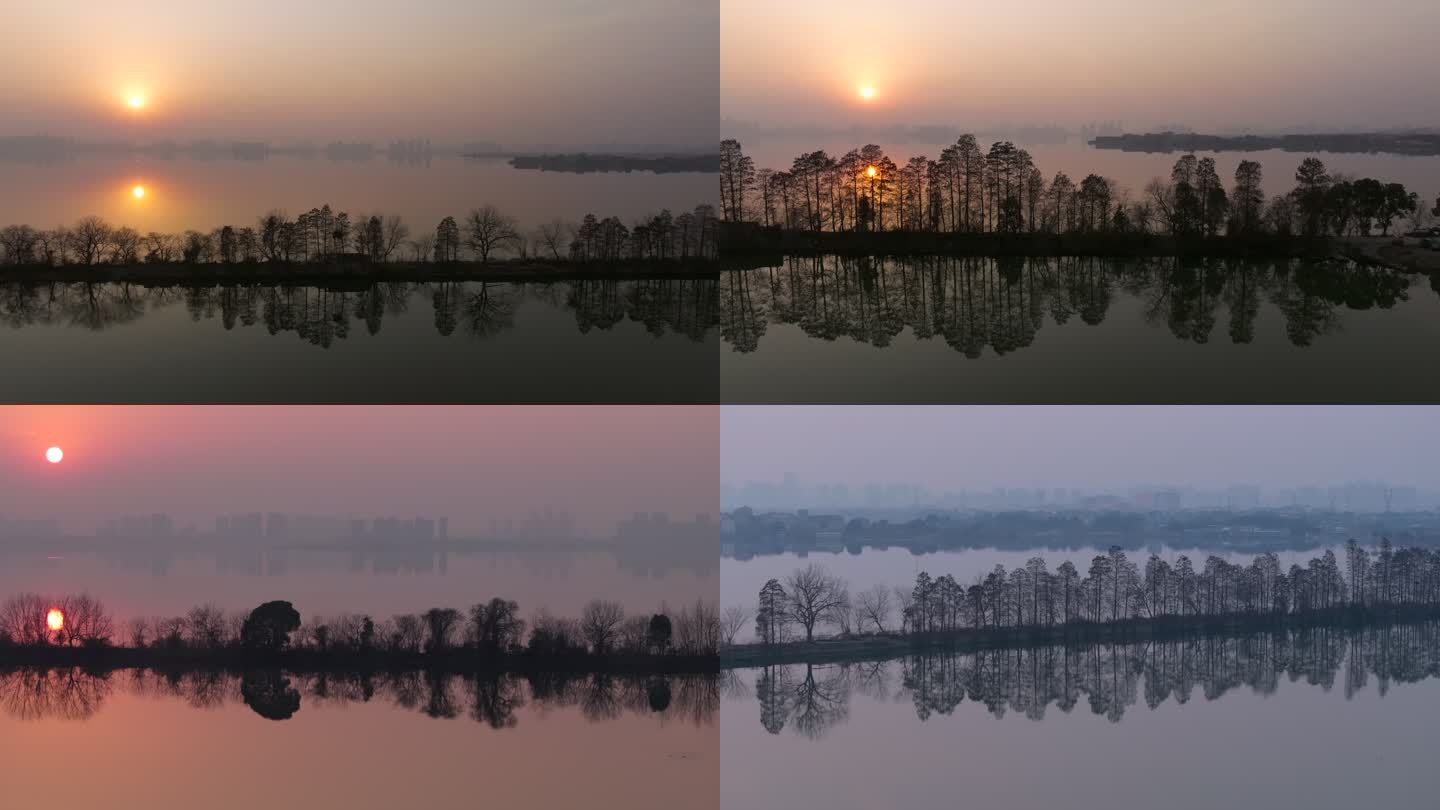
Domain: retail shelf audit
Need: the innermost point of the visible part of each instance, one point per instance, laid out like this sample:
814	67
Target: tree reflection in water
975	303
321	316
812	699
73	693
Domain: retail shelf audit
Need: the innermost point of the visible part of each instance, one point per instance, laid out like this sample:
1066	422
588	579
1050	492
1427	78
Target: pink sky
468	463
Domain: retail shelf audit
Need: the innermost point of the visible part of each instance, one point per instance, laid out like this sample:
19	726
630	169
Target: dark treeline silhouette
1110	678
970	190
974	303
1114	590
584	162
489	636
322	315
495	699
325	236
1400	143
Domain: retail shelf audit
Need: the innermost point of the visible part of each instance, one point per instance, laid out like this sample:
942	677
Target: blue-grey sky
1092	447
538	71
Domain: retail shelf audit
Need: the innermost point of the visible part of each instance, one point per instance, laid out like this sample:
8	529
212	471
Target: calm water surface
186	193
1315	719
321	583
215	740
1070	330
581	341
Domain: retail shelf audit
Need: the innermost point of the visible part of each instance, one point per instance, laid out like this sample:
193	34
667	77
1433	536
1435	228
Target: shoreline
456	661
303	274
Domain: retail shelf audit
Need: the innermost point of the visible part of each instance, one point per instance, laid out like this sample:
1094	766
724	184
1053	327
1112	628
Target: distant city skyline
790	492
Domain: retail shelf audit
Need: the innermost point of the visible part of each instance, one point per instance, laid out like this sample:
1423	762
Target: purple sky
1087	447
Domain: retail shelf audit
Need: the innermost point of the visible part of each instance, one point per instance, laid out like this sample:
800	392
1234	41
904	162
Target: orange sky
1217	64
544	71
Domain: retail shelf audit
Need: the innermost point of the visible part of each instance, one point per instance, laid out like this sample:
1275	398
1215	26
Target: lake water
1315	719
582	341
741	580
134	739
326	583
1072	330
186	193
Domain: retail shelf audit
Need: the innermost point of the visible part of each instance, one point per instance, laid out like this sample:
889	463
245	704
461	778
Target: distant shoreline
1129	631
1418	144
306	273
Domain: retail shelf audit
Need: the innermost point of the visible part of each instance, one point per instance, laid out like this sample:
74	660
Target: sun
867	92
136	101
54	455
55	620
138	192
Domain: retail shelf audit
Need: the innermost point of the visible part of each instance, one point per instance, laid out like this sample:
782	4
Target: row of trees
323	234
489	628
1000	190
1113	589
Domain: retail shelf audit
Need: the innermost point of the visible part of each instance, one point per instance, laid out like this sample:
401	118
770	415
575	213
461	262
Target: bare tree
814	596
422	247
139	632
22	619
394	232
487	230
731	620
554	235
874	608
205	626
600	624
86	621
89	240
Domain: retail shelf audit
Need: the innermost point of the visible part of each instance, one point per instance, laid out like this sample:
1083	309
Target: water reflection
495	700
321	316
1108	679
1002	304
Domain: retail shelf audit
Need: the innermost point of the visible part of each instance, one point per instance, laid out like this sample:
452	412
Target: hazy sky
1223	63
468	463
539	71
978	447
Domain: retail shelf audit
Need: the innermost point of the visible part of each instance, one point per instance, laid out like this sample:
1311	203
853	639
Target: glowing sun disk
135	101
54	454
138	192
867	92
55	620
